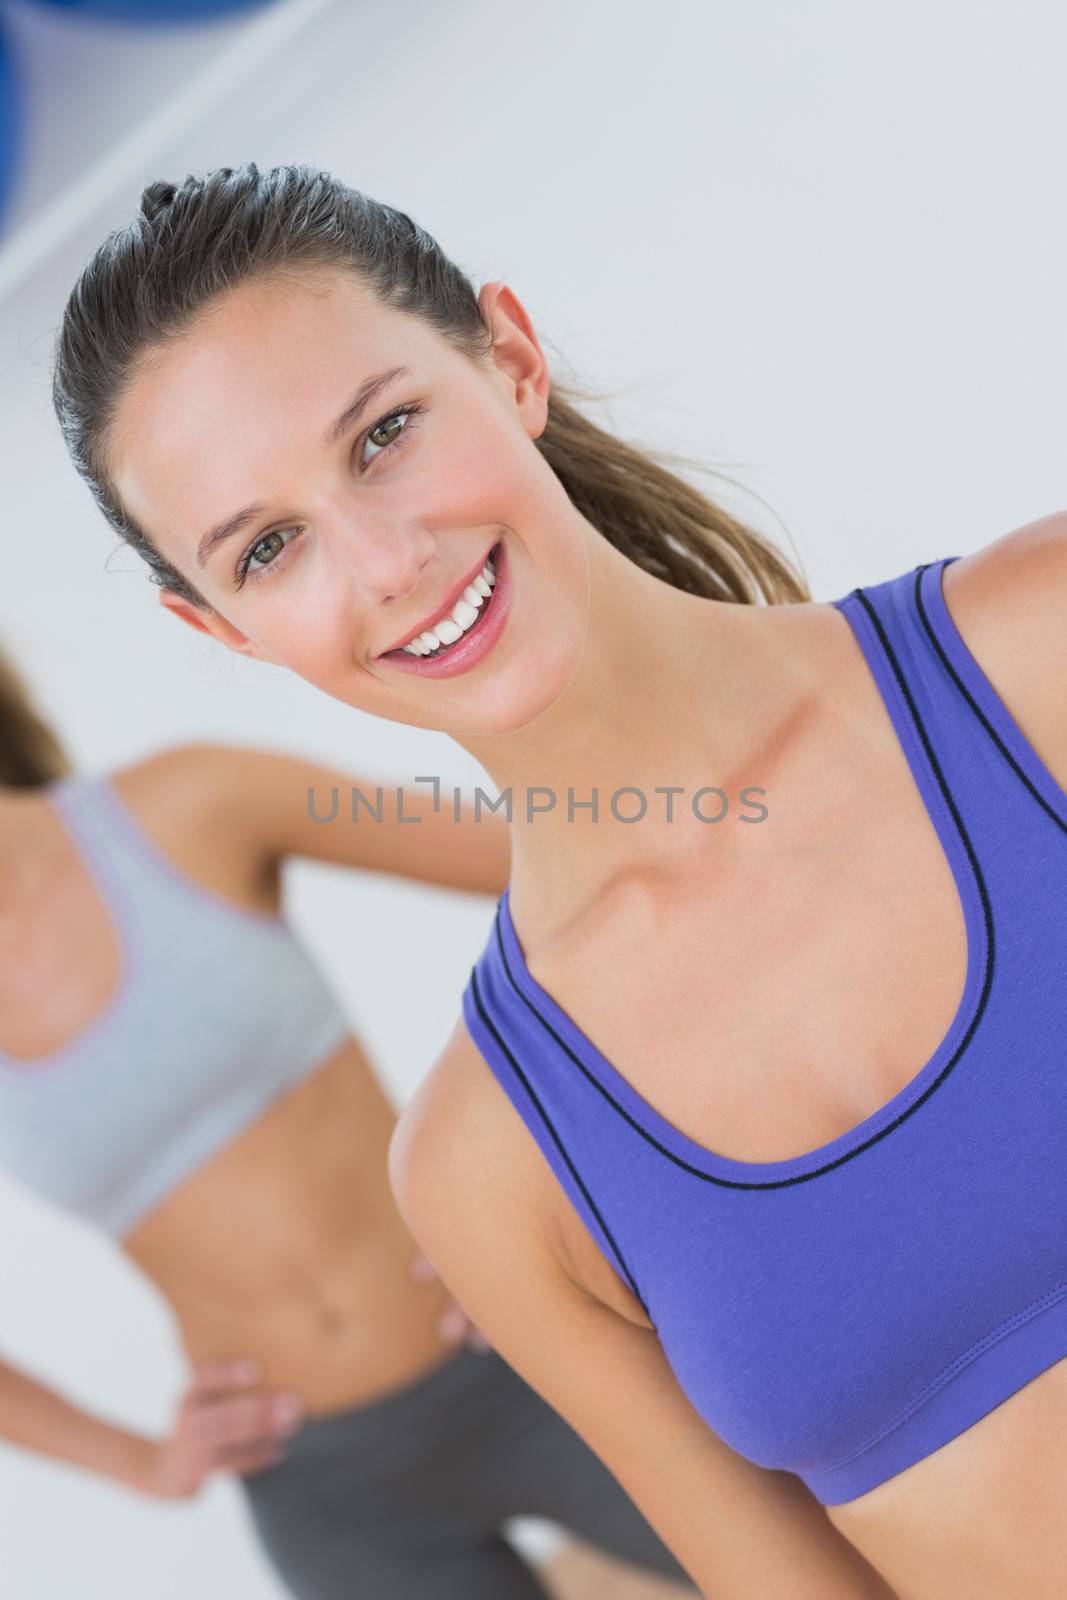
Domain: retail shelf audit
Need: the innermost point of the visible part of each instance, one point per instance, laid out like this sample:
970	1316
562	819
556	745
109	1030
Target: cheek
299	625
484	475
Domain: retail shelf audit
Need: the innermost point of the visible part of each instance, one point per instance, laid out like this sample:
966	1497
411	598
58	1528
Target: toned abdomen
287	1247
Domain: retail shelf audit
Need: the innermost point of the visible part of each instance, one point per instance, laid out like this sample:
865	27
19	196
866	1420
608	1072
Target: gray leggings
404	1498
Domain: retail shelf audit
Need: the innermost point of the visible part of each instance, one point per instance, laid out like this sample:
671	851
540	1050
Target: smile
467	626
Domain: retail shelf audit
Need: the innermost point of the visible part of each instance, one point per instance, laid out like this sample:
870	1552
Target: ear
204	620
517	354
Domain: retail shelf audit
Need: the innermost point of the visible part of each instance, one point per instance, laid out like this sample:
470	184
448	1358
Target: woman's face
345	533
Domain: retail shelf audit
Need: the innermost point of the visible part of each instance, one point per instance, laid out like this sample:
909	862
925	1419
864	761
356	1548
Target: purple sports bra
844	1313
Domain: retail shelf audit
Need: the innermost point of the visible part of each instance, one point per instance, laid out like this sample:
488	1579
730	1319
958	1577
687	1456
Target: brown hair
31	754
193	241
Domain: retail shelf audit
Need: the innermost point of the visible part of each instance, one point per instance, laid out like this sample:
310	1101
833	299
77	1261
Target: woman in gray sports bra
174	1069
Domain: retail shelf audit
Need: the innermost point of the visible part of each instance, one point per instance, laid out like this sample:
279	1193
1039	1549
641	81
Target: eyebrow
365	396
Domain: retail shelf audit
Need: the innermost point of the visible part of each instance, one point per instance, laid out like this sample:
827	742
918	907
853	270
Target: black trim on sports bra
830	1166
975	707
546	1119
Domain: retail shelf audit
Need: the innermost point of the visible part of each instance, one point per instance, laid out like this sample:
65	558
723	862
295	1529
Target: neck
673	690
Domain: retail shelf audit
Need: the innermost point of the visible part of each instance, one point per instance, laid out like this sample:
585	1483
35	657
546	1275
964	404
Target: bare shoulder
459	1154
184	760
175	788
1009	604
462	1165
1017	581
186	797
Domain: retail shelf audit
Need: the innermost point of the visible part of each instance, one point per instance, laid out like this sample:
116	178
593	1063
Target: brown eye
260	560
274	541
390	432
390	426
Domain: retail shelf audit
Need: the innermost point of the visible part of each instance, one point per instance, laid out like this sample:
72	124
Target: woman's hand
455	1325
225	1422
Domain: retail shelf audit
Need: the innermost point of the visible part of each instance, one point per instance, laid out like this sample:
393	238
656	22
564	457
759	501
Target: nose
381	559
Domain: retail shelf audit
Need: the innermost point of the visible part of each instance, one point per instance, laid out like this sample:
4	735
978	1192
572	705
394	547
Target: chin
521	694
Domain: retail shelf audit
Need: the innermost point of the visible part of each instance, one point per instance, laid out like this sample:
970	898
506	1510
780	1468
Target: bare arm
262	796
40	1419
467	1179
224	1421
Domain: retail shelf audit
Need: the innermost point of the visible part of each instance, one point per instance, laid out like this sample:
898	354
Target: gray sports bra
218	1010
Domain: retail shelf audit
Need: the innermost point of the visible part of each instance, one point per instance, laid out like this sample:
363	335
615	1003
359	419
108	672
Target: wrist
137	1464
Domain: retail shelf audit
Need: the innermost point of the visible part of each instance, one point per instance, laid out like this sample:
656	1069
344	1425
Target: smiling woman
733	1151
348	393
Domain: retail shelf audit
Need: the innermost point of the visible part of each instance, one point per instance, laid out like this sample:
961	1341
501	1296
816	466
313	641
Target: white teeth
464	615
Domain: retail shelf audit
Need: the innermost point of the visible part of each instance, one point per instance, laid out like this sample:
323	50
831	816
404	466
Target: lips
444	609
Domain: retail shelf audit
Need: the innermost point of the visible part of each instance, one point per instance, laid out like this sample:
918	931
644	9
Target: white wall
821	245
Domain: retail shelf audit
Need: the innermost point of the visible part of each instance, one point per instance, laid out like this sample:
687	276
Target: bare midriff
287	1247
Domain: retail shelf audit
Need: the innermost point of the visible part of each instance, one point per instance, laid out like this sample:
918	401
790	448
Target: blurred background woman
174	1069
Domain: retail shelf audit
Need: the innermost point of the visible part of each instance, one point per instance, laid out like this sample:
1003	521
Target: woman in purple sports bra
746	1150
175	1070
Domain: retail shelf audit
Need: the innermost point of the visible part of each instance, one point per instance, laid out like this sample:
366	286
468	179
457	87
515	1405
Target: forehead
264	345
261	371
